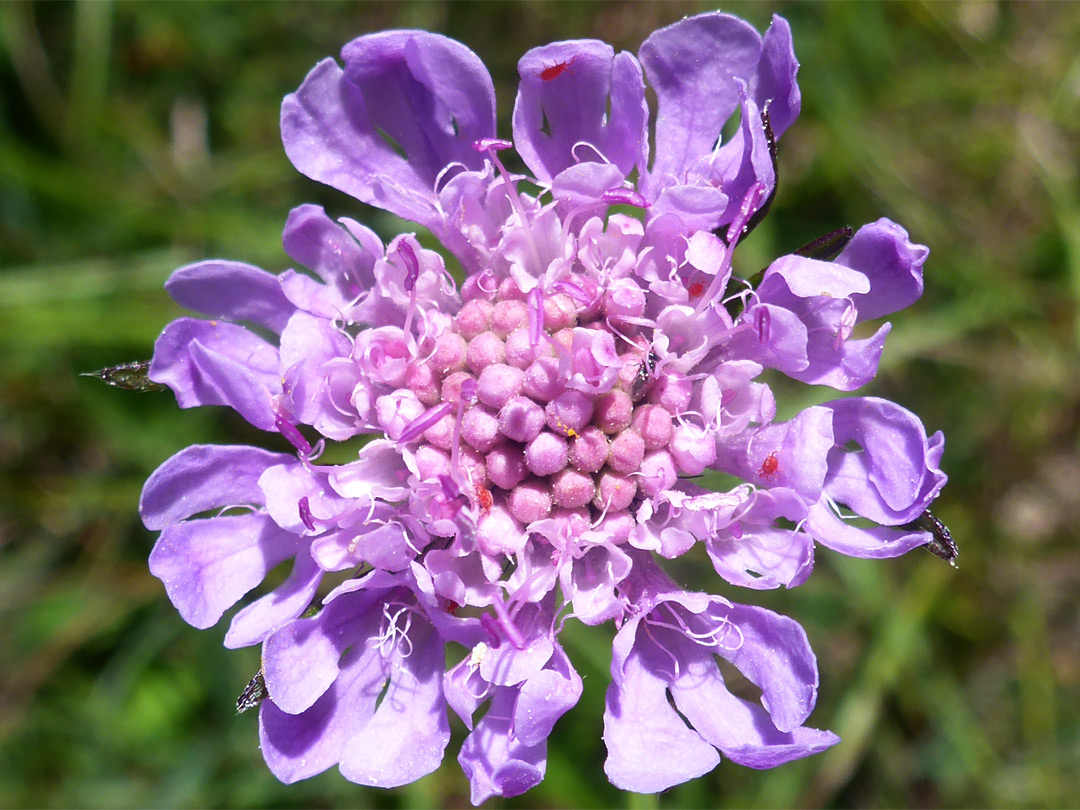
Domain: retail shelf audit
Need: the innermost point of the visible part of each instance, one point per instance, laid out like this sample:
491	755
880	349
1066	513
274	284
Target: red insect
769	467
483	498
549	73
695	290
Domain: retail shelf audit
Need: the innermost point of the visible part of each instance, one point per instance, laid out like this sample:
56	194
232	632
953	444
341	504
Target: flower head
537	426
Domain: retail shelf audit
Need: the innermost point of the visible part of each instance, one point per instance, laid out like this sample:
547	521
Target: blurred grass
135	137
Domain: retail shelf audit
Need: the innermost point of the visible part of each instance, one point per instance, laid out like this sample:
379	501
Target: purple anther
575	291
290	432
761	323
496	144
417	426
536	316
507	624
624	196
468	390
305	514
847	324
411	263
755	196
451	491
491	626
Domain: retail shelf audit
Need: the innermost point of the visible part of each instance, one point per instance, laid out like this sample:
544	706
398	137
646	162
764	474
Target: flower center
520	437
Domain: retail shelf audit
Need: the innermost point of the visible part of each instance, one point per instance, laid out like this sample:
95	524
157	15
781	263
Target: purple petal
756	553
430	95
329	136
207	565
894	475
875	542
639	724
586	95
799	449
320	376
233	291
285	484
778	339
774	83
407	736
546	697
591	582
496	761
204	477
298	746
809	278
274	610
772	748
774	654
845	367
743	731
883	252
699	208
693	66
740	166
312	341
317	242
380	472
586	184
303	659
218	363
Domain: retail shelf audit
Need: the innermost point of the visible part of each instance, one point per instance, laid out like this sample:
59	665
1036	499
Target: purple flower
535	428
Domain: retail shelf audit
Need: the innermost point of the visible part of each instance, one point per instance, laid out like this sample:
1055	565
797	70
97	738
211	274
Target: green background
136	137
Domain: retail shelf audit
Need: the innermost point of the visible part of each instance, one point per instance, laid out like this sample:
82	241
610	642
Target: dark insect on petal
254	694
129	376
828	246
644	377
942	544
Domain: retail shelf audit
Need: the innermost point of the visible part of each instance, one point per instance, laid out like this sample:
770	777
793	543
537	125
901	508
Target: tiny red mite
695	290
549	73
769	467
483	498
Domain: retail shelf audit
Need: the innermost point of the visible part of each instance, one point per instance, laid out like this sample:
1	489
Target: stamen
392	635
574	291
762	322
412	274
468	393
417	426
536	316
506	623
624	196
593	147
305	514
750	205
661	647
290	432
490	145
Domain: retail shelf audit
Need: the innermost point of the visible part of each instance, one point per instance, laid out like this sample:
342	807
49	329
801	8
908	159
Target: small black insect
941	543
129	376
254	694
827	246
644	377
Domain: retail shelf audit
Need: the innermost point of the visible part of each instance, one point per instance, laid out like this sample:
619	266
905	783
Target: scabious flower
534	431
